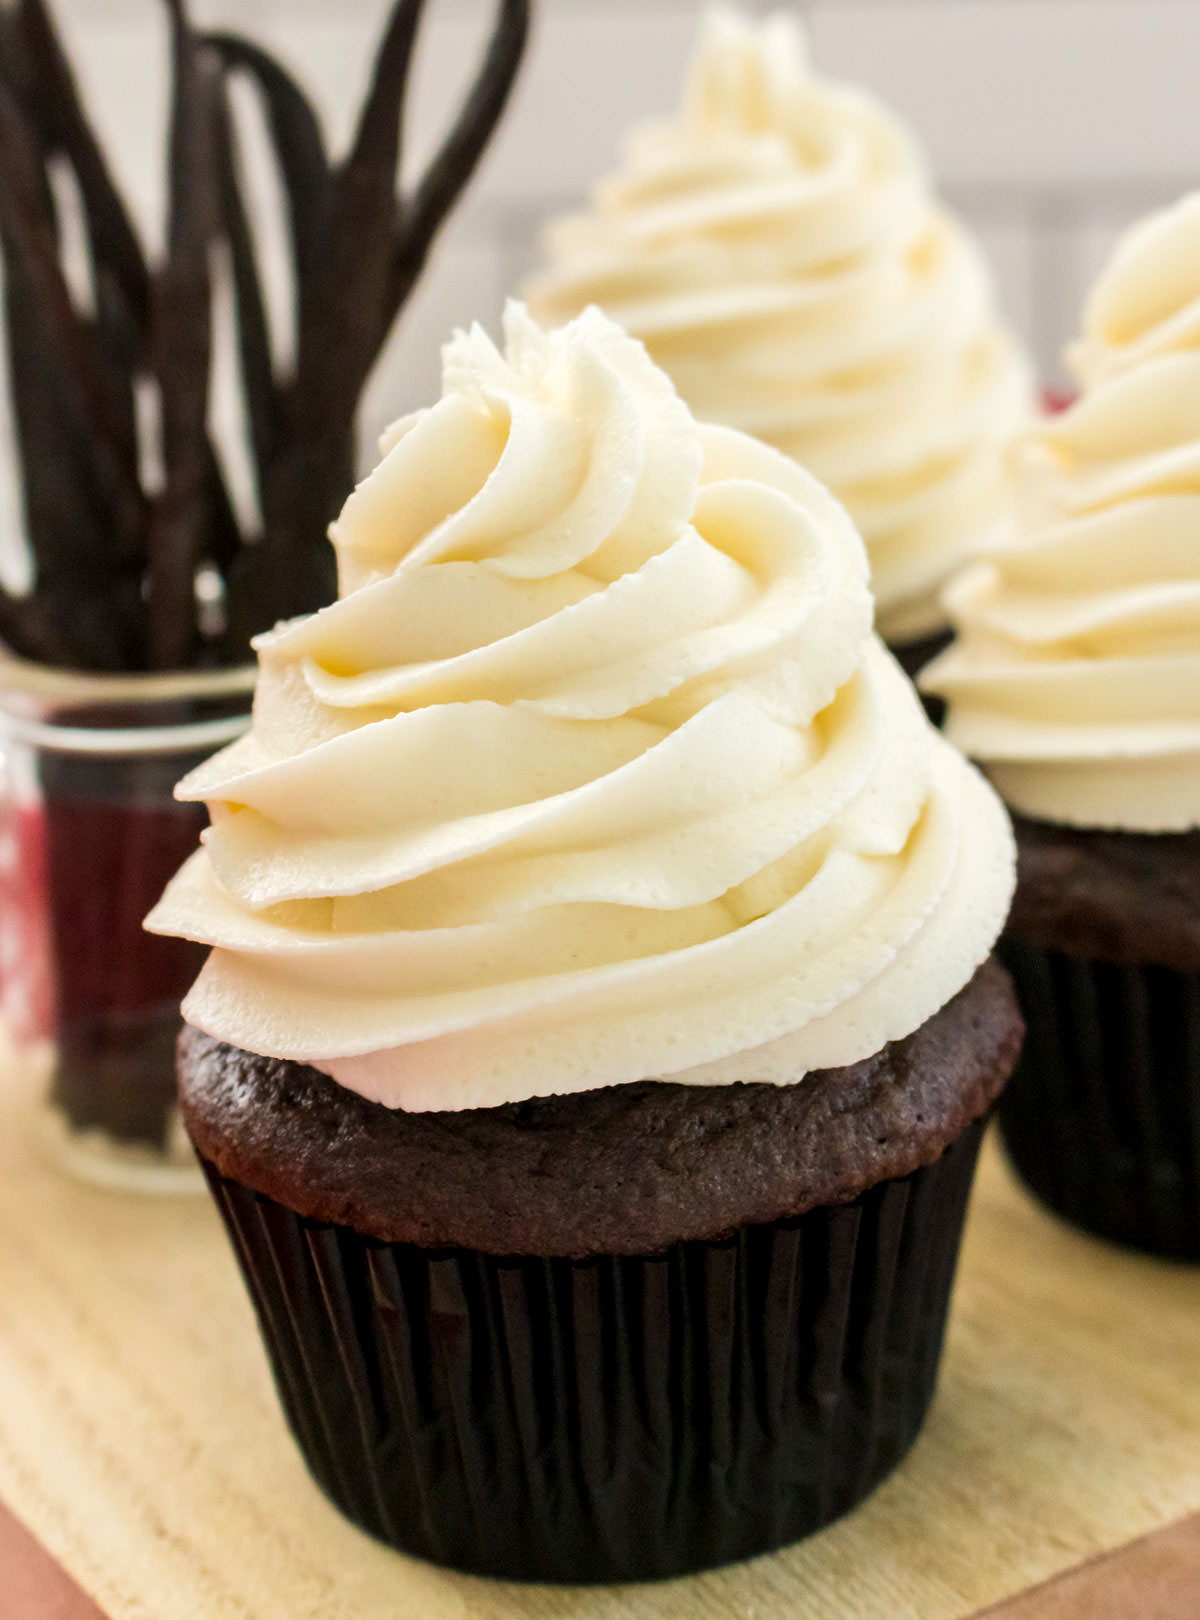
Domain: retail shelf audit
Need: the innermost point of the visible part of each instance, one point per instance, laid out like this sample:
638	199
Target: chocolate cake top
627	1169
1119	896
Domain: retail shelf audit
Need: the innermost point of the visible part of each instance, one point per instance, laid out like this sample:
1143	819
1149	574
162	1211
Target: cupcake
778	248
600	1019
1075	680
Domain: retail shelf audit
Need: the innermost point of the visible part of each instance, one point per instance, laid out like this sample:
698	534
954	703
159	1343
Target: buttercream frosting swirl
1076	674
594	772
778	249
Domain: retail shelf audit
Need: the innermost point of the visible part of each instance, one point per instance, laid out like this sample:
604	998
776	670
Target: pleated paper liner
912	656
1102	1115
618	1418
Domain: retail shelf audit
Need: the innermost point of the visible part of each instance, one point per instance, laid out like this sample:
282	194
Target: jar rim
22	678
33	697
192	736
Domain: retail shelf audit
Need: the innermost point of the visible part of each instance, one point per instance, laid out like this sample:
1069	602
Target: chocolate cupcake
778	247
1076	680
600	1023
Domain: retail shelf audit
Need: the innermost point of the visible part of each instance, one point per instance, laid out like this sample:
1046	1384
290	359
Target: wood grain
141	1441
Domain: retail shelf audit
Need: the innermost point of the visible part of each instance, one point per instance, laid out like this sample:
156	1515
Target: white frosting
1076	675
593	773
777	248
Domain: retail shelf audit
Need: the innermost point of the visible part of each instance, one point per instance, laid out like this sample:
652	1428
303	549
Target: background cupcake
778	248
599	1022
1076	681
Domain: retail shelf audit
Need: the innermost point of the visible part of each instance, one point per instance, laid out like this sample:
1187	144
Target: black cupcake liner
1102	1115
912	656
618	1418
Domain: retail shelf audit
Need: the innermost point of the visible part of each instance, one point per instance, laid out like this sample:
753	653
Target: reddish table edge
1155	1577
34	1585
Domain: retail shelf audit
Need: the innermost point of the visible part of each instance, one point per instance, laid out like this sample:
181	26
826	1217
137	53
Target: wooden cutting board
141	1442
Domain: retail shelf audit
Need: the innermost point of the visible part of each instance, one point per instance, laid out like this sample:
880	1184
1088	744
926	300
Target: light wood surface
141	1442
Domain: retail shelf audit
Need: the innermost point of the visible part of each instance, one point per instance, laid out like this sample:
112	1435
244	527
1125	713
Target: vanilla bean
60	498
54	103
115	571
253	335
377	246
82	586
298	145
339	322
181	345
21	198
32	235
287	570
29	629
224	536
17	72
337	340
458	156
120	278
119	349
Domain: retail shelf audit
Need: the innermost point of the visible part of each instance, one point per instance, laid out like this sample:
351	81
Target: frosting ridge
778	249
1076	674
594	772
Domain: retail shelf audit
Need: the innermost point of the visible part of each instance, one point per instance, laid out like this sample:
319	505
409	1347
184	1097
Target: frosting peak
569	449
1076	675
730	84
1147	300
594	771
777	248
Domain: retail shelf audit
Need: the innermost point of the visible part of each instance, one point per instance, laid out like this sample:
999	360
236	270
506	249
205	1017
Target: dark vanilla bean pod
224	540
120	348
115	568
289	568
82	508
340	309
181	345
84	611
30	232
253	334
372	248
379	243
458	156
299	147
88	567
33	234
338	337
55	104
29	629
337	340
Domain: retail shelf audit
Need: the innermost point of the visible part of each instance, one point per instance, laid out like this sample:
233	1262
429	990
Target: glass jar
90	833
